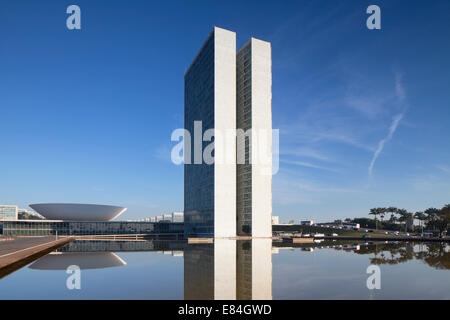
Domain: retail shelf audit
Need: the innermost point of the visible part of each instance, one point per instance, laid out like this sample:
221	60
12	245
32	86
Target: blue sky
86	115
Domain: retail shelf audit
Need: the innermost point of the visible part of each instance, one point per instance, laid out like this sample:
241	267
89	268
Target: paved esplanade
16	253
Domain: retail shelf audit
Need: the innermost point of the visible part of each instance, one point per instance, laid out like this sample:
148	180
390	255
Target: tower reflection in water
228	269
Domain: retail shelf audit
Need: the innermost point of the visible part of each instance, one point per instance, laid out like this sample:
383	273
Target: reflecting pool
229	269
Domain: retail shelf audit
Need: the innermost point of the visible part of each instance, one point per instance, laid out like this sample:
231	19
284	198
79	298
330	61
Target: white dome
77	212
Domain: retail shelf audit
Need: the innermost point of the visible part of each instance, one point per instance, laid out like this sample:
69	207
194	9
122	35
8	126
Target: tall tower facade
210	97
254	139
226	91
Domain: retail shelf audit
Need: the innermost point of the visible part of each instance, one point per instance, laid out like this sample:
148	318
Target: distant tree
404	216
364	222
382	212
430	212
375	212
431	218
409	218
444	215
439	218
393	219
391	210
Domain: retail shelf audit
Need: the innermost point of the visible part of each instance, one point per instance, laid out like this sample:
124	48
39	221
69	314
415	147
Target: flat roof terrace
16	253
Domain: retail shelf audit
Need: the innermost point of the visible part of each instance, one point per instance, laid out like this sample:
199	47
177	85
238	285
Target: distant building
350	225
80	228
177	217
275	220
307	222
8	213
79	219
168	217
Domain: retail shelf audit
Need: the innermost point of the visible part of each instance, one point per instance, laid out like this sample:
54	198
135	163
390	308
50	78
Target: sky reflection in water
255	269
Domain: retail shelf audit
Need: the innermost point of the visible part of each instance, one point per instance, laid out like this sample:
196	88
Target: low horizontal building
83	228
8	212
169	217
351	225
68	219
177	217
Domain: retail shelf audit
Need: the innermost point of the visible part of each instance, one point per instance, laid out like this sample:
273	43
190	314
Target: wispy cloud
383	142
306	152
399	89
443	168
341	113
400	95
323	123
292	189
371	107
308	165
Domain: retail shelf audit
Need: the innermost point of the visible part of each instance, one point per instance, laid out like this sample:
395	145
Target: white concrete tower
254	111
210	97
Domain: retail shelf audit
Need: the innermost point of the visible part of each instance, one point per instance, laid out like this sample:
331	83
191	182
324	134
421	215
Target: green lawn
359	234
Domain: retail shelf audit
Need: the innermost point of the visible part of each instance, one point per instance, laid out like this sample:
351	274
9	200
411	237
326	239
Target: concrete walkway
21	251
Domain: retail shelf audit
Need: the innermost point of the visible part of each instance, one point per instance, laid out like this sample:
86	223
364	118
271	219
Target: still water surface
227	269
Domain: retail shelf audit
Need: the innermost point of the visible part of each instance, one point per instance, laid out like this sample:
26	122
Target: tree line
431	218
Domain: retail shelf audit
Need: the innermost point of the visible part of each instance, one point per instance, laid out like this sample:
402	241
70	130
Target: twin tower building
228	113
